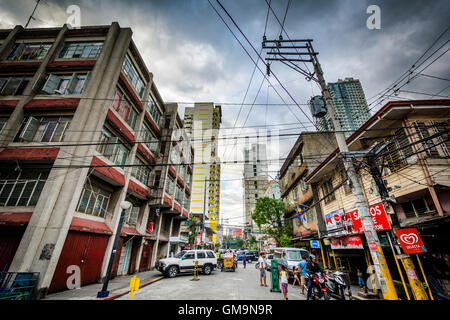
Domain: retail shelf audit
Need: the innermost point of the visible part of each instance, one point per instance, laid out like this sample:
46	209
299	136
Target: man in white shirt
262	269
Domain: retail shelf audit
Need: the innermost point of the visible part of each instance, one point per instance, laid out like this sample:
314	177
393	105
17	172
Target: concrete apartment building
273	190
350	105
416	167
254	182
82	129
202	122
302	160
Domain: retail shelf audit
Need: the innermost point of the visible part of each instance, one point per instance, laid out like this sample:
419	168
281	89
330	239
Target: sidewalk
117	287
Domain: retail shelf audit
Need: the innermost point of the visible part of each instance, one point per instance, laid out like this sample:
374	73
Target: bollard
195	272
275	279
134	286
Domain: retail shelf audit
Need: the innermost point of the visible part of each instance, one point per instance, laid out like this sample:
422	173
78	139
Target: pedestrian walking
244	261
360	279
284	281
262	269
302	265
296	271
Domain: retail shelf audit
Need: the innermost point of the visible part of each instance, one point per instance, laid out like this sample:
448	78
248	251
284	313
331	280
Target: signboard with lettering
410	240
333	221
315	244
378	215
347	242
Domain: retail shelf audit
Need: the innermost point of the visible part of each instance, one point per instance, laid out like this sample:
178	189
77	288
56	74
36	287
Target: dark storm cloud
194	57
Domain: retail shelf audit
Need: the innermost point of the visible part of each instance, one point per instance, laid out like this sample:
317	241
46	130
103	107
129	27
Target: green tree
286	240
269	216
192	227
251	243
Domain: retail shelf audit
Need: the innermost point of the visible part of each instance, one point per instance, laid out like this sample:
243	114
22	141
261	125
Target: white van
290	257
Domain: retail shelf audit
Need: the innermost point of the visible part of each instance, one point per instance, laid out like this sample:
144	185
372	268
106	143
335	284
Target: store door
9	242
85	250
146	256
125	258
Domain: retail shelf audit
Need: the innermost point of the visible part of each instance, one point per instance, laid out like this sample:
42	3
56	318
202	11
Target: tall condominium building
202	123
350	104
83	128
255	181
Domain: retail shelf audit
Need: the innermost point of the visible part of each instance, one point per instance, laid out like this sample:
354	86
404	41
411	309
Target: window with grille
326	188
399	153
28	51
74	83
13	86
295	193
125	109
94	200
187	201
419	207
179	194
443	140
21	187
428	145
132	214
140	171
43	129
133	76
3	121
90	50
149	138
111	147
170	185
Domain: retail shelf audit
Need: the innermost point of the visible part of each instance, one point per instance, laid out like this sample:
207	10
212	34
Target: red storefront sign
373	246
410	241
347	242
378	215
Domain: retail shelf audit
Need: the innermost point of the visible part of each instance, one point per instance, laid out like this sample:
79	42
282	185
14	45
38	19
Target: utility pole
376	252
417	287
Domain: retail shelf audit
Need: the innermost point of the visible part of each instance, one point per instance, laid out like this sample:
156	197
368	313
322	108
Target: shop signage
373	246
410	240
326	242
315	244
347	242
378	215
333	220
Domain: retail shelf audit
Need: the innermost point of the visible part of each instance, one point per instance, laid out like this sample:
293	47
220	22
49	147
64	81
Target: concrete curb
118	295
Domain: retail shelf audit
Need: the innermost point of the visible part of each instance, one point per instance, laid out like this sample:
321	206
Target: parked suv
184	261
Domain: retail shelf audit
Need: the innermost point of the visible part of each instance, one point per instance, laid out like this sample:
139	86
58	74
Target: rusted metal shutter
146	256
82	249
9	241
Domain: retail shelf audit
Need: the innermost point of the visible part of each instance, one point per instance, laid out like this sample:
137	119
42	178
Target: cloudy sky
194	57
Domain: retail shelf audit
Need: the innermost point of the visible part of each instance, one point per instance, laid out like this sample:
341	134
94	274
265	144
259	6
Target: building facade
303	159
273	190
82	123
202	122
350	105
415	166
254	182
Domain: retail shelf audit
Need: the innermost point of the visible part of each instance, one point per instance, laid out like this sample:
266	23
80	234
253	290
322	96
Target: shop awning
86	225
130	232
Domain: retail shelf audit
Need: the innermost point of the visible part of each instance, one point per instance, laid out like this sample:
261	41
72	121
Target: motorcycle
319	289
336	283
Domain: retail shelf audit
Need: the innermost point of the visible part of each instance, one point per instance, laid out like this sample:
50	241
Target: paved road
240	285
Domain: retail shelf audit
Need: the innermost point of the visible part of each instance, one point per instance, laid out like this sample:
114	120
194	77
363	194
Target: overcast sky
194	57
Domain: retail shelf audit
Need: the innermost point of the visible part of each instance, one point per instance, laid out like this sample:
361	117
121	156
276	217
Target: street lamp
125	205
